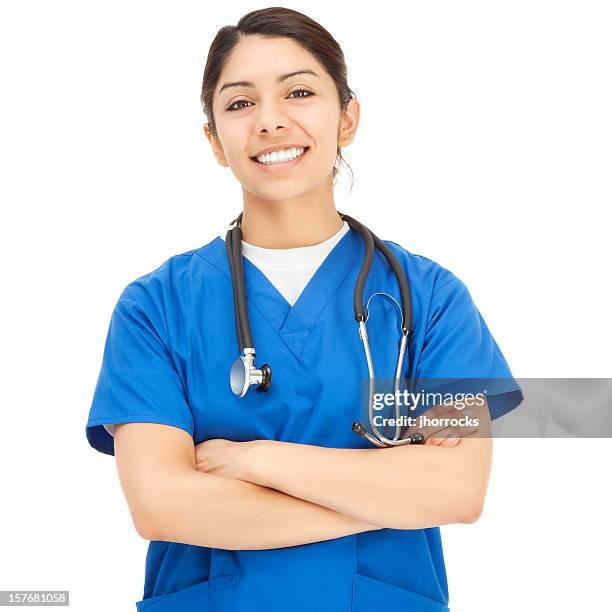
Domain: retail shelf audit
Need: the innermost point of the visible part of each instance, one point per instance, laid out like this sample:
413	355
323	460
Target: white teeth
278	157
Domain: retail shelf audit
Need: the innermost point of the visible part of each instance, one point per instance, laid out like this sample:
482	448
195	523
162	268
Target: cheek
233	137
234	152
322	127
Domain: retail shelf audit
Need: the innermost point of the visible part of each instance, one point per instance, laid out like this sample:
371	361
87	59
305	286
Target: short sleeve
138	381
458	345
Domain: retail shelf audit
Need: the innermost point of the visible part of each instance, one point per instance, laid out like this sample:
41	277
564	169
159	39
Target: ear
216	146
348	123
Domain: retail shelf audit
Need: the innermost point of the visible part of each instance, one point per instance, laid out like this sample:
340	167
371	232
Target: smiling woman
269	501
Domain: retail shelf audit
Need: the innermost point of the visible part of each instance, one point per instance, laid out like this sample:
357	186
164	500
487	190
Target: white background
484	144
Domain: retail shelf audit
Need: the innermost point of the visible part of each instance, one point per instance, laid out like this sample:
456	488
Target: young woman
265	499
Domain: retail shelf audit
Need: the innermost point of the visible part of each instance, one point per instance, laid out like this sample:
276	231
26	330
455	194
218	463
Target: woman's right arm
171	501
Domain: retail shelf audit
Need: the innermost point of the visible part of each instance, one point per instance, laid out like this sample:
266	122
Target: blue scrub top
167	358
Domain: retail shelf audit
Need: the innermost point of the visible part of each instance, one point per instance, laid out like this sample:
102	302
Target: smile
275	161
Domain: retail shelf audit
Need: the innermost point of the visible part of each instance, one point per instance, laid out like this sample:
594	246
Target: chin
279	194
283	188
277	189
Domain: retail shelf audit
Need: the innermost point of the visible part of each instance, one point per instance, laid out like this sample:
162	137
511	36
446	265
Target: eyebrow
280	79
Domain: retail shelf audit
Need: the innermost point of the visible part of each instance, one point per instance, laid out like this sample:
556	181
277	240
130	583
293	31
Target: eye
302	91
233	104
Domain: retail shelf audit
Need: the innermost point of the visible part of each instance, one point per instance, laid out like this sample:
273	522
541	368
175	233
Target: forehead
262	60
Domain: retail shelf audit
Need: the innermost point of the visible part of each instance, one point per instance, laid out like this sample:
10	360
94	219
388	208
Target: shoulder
444	301
168	283
431	276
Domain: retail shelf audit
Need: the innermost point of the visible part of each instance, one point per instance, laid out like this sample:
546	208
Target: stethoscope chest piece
244	374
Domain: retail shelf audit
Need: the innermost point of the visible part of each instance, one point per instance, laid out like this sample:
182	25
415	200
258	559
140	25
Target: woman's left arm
402	487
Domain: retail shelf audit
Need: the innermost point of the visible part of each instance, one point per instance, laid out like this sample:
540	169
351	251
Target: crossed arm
270	494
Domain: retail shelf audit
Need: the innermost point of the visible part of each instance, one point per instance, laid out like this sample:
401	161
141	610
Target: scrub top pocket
371	594
214	595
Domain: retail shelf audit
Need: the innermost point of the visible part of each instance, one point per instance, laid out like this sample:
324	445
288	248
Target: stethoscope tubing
371	242
230	257
234	248
243	331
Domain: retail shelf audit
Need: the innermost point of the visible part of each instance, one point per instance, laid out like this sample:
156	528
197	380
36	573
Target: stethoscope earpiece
417	438
359	429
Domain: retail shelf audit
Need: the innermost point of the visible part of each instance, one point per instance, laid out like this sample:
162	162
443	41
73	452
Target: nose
263	126
270	119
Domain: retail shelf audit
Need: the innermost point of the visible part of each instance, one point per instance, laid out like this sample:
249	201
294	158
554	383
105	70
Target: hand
226	457
441	435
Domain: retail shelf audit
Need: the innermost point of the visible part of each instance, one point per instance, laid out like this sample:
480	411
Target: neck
306	220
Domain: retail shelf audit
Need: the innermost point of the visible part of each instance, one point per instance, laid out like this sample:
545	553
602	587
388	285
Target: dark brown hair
277	21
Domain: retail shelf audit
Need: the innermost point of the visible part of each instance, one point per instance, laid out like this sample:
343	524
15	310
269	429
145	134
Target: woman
270	501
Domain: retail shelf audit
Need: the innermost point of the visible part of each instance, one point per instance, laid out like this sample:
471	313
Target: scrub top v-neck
170	345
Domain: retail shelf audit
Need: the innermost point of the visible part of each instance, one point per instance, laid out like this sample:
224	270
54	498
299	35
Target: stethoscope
244	373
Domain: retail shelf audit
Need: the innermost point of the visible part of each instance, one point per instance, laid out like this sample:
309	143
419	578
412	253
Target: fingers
453	441
439	435
444	437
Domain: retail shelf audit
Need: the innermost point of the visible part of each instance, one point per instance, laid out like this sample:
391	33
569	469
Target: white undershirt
289	270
